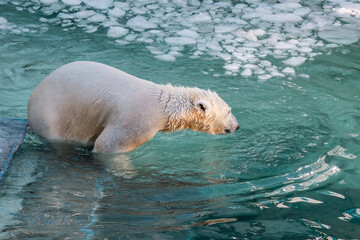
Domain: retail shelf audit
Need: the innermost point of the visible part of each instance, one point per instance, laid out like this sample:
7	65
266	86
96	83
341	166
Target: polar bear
95	104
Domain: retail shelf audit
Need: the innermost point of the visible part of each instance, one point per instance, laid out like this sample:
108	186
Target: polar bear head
214	114
197	109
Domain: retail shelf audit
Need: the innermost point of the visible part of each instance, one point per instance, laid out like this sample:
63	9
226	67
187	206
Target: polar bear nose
237	127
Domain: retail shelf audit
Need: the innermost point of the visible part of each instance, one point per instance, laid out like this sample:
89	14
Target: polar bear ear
203	106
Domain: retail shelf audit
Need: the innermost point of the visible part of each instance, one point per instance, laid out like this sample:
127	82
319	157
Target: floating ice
200	18
84	14
179	41
248	35
72	2
214	45
284	45
246	73
258	32
98	17
288	70
295	61
3	20
188	33
225	28
99	4
48	2
10	27
140	23
116	12
287	6
234	67
117	32
264	76
253	38
166	57
303	75
346	34
281	17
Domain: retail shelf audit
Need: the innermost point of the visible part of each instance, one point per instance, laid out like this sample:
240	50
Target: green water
291	171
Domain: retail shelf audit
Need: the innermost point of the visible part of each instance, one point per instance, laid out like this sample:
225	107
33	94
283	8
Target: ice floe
179	40
295	61
262	38
117	32
10	27
3	20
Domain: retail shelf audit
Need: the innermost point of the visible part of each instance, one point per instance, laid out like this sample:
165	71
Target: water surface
290	172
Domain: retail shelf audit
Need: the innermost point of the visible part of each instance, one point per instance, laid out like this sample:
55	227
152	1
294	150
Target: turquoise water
291	171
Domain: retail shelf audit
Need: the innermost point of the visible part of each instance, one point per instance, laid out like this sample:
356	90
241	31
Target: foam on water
239	34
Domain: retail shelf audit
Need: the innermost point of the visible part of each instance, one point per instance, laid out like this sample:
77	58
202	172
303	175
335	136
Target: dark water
291	171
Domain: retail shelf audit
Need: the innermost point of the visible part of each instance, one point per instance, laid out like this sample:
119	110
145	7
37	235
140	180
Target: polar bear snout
232	125
227	131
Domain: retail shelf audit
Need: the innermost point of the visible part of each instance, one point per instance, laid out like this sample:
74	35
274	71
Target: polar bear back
77	100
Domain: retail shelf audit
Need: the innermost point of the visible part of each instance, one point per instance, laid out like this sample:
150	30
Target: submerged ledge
12	132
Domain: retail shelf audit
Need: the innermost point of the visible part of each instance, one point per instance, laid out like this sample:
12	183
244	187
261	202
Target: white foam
295	61
117	32
340	152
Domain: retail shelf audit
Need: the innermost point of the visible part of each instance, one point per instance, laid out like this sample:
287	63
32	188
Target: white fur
90	103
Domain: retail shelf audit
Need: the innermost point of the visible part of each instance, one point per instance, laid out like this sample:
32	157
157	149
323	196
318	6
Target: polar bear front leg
115	139
112	140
